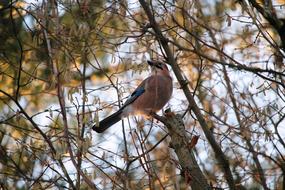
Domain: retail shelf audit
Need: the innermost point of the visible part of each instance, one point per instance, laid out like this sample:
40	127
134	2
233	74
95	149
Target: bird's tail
108	122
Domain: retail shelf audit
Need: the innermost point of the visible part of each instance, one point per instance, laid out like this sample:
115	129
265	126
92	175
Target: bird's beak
154	64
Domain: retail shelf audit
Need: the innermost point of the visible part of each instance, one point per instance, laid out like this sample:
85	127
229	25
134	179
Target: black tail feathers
108	122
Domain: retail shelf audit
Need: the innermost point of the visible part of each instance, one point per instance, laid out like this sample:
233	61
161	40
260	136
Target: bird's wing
138	92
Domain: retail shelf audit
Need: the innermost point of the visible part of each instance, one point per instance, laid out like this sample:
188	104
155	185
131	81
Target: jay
149	97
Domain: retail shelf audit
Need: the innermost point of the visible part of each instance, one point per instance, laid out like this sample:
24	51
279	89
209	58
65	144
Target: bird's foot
168	113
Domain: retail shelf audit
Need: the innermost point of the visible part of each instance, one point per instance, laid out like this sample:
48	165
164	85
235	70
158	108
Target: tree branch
269	14
180	143
221	157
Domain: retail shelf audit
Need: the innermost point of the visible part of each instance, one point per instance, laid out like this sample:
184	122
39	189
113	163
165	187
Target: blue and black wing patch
137	93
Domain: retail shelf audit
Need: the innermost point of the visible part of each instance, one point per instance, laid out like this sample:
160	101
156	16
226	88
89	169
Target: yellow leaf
66	154
16	134
25	159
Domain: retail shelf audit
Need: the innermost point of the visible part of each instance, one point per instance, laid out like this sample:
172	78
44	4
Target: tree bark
220	156
190	170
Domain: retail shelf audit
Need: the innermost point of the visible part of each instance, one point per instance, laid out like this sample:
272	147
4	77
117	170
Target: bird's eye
160	66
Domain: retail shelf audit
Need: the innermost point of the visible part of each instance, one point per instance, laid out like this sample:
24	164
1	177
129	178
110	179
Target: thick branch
269	14
221	157
180	143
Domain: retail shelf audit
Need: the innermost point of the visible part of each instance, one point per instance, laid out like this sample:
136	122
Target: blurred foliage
227	51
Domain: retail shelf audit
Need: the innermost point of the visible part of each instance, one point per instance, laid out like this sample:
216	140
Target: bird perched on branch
149	97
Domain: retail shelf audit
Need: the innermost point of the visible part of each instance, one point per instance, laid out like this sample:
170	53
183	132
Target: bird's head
158	67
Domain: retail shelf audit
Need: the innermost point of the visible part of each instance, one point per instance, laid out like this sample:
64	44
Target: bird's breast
158	91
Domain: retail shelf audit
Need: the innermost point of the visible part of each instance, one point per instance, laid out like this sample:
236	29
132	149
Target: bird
149	97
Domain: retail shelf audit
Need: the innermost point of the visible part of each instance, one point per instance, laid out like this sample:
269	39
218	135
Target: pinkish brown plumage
150	96
156	94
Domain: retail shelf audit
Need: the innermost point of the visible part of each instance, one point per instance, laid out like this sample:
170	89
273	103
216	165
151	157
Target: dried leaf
229	20
194	141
